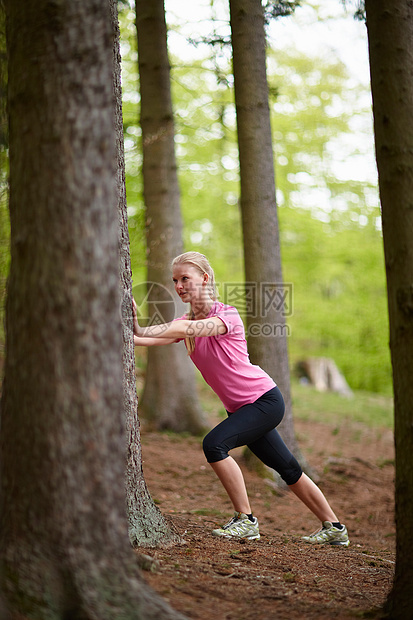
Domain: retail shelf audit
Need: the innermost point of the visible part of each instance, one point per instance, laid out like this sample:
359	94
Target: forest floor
278	576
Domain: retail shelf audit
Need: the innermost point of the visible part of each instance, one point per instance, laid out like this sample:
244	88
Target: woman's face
190	283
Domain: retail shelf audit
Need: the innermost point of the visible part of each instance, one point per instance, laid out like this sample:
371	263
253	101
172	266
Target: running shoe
329	535
239	527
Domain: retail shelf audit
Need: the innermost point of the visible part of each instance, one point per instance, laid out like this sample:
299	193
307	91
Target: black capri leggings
254	425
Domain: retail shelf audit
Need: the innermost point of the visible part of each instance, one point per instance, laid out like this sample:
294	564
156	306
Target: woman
215	339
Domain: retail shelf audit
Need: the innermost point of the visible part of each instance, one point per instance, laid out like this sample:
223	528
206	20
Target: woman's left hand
137	330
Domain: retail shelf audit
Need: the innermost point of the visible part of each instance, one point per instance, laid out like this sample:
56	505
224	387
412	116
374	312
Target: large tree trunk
147	526
266	326
170	399
390	34
64	546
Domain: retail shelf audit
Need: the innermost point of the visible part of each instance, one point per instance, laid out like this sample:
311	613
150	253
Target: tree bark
390	33
265	290
4	216
64	546
147	526
170	399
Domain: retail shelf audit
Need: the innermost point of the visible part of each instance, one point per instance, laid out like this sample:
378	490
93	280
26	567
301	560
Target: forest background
326	180
325	172
329	226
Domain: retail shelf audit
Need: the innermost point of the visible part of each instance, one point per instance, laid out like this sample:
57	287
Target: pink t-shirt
225	365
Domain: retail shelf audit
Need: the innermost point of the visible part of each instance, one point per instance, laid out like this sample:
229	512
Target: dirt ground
278	576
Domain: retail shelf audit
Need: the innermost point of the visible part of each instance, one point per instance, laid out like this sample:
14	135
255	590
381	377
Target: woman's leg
240	428
309	493
272	451
233	482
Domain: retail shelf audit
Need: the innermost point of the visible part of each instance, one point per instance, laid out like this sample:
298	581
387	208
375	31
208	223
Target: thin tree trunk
266	326
147	526
4	219
390	34
170	399
64	546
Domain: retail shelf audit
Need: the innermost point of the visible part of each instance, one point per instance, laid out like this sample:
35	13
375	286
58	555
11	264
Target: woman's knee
213	450
291	473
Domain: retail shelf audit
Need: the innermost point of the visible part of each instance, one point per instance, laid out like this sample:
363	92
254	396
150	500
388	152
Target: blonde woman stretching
215	338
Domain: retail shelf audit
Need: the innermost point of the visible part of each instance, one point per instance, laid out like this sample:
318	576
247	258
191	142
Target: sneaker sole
256	537
333	543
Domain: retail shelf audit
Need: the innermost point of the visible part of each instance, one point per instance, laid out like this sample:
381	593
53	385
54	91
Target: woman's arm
150	342
183	328
140	341
167	333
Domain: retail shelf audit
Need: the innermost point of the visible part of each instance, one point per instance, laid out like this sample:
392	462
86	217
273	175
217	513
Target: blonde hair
200	262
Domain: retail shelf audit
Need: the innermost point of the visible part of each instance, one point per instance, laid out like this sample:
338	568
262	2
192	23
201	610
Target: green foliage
358	8
274	9
132	141
339	307
331	242
315	115
373	410
208	164
329	214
